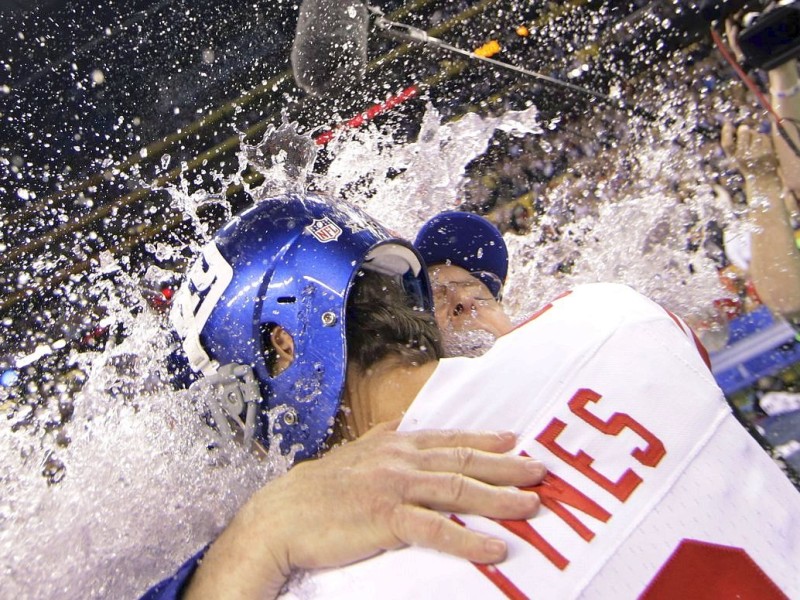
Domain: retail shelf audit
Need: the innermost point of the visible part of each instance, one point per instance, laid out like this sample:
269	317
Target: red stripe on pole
369	114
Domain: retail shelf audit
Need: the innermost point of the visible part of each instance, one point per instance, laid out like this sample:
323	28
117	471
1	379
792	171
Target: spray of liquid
136	481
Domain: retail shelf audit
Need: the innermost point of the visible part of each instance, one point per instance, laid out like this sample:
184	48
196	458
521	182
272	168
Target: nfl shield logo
324	230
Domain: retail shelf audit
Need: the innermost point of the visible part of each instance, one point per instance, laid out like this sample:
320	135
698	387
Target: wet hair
383	322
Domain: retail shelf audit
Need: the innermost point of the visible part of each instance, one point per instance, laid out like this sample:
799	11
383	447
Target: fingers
742	141
421	527
496	469
752	151
732	33
479	440
727	139
453	492
384	490
731	29
382	427
761	145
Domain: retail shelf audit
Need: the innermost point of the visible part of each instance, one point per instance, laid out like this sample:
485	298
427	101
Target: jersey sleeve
173	587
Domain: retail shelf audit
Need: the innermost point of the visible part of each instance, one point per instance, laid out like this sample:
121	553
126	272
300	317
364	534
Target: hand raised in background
752	152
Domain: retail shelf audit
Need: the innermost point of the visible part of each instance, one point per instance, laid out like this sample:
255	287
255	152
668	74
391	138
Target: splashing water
404	185
639	239
138	481
627	242
133	484
284	158
467	343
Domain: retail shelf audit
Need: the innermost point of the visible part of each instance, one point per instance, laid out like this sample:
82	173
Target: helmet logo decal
207	280
358	222
325	230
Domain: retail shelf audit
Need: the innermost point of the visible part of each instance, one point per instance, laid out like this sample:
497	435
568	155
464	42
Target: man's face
465	310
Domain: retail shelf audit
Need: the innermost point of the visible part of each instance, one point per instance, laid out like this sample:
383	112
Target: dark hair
382	322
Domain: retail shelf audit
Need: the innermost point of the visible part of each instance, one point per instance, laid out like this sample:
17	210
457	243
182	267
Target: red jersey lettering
628	481
650	456
554	493
495	575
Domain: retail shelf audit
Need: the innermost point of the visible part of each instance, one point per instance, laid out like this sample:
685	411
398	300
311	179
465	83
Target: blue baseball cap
468	241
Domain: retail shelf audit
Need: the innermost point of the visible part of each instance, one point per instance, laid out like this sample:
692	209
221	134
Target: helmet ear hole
278	346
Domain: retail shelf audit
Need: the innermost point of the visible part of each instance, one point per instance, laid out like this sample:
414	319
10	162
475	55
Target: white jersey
654	489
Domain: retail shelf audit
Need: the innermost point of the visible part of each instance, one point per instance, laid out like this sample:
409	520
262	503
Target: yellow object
523	31
489	49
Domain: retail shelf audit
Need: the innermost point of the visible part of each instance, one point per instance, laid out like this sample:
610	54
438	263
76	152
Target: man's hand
752	152
378	493
775	259
732	33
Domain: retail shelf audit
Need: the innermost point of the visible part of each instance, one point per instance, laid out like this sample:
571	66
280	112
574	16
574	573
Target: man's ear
283	344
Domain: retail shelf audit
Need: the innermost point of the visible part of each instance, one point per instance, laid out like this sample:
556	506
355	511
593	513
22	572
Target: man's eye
467	285
439	292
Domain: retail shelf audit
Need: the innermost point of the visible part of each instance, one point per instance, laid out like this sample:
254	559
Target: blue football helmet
287	261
